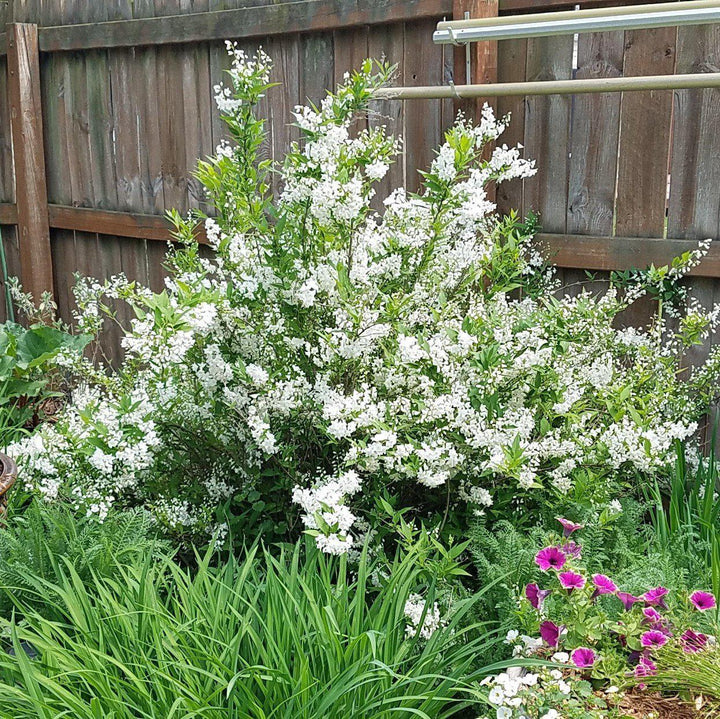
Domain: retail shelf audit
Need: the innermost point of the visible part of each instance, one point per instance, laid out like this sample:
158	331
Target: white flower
414	608
496	695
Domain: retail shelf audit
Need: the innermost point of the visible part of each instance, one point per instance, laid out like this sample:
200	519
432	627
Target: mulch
645	705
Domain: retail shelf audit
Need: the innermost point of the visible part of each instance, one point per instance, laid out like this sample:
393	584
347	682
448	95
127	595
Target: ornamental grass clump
293	636
330	354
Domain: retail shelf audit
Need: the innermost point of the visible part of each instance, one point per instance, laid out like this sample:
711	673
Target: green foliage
685	516
295	636
39	544
503	553
27	359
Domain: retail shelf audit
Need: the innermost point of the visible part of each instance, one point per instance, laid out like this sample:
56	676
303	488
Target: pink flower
656	597
652	614
550	557
568	526
702	601
550	633
603	585
627	600
583	657
693	641
645	668
571	580
653	639
535	595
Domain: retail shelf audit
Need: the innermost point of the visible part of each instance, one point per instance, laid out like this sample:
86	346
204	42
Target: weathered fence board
128	108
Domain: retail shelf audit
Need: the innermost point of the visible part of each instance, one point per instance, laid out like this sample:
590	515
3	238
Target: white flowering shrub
329	354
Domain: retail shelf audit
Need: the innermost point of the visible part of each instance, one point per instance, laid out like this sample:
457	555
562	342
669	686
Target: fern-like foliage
44	538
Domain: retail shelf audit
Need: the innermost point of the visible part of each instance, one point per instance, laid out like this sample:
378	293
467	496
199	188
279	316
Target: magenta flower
656	597
550	557
702	601
550	633
653	639
603	585
652	614
571	580
645	668
568	526
535	595
693	641
627	600
582	657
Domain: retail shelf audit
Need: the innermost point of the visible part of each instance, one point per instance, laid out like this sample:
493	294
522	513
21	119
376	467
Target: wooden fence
111	105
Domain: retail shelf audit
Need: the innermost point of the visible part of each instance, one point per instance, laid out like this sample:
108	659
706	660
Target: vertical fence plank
512	61
694	207
595	128
645	136
547	127
423	118
285	53
8	233
388	42
317	66
483	56
27	133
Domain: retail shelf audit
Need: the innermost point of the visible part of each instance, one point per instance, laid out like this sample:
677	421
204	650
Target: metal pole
563	23
538	17
553	87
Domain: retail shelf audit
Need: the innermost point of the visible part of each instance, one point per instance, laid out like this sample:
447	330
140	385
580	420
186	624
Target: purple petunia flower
535	595
582	657
652	614
656	597
653	639
702	601
571	580
627	600
572	549
603	585
550	633
568	526
693	641
645	668
550	557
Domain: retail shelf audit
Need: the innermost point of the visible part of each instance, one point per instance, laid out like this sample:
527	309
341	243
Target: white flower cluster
328	347
417	624
519	693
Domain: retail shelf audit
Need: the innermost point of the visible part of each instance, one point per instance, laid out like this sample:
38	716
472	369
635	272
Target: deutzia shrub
328	353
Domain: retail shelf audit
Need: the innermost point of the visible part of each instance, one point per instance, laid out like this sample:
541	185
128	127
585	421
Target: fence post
29	158
483	56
